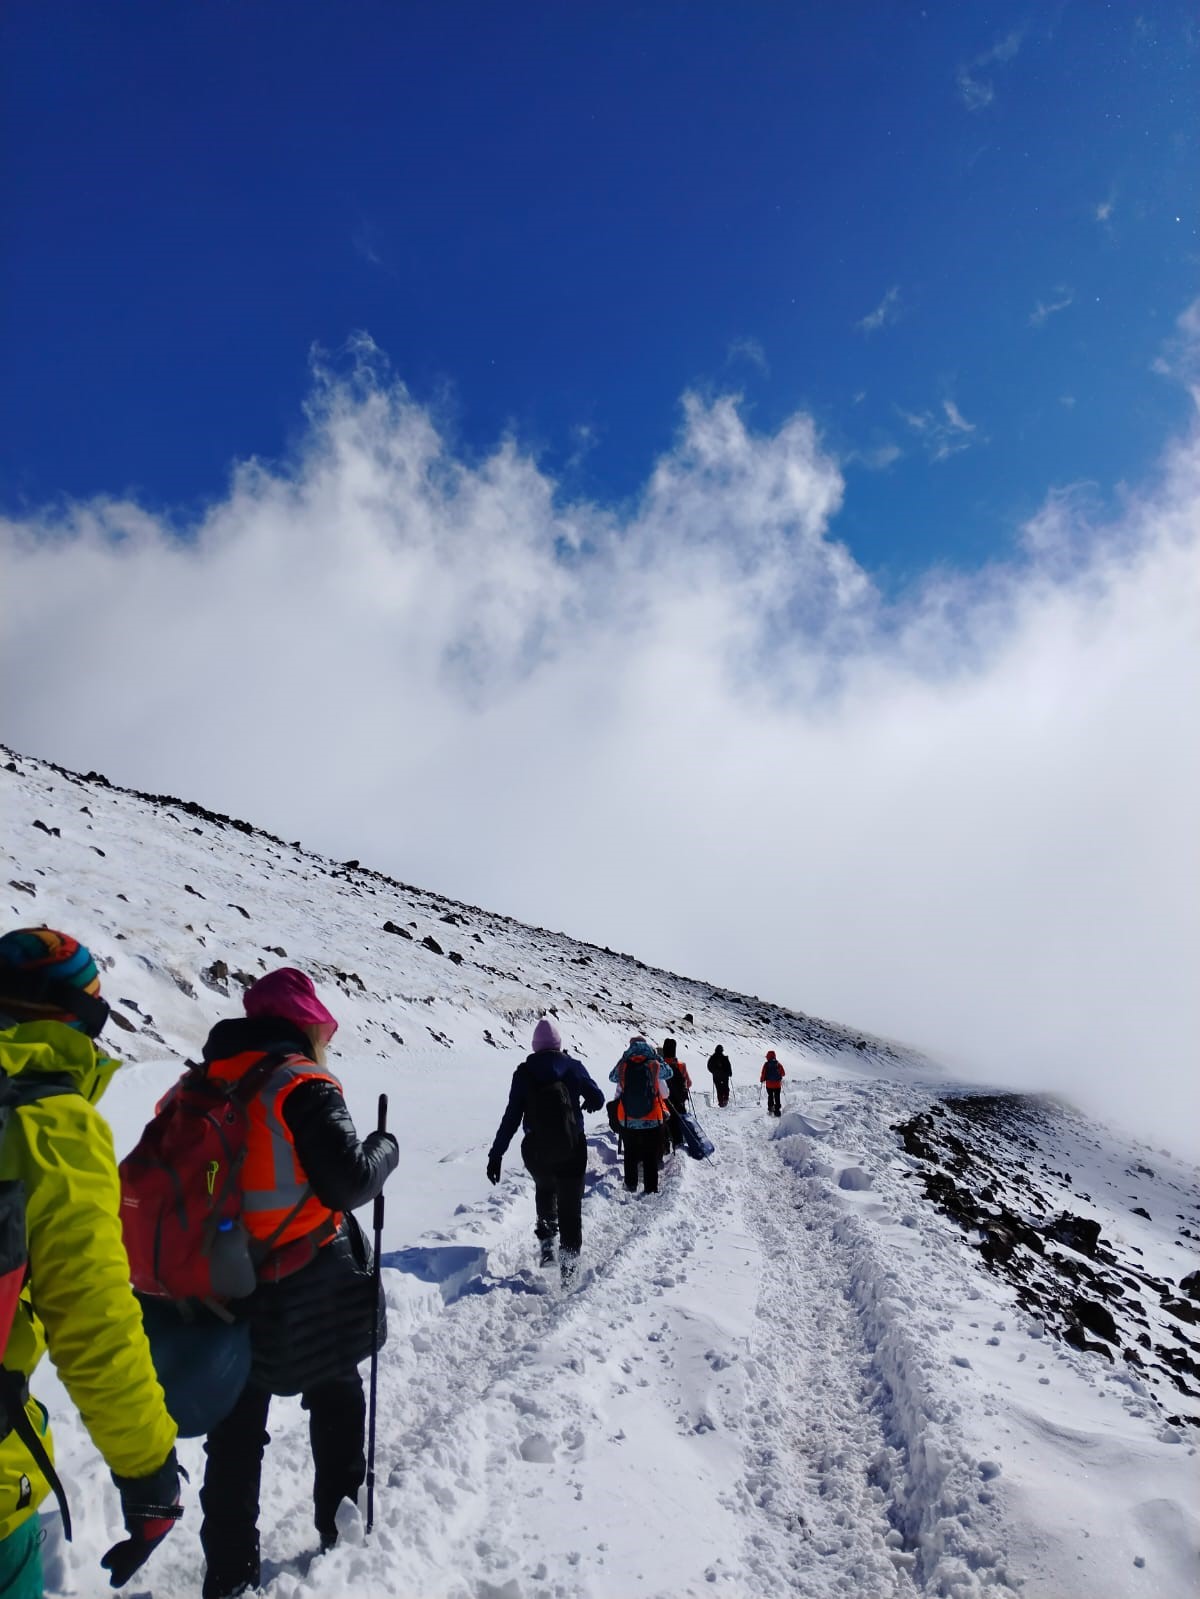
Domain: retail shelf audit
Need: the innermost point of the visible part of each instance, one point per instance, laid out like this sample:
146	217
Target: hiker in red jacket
678	1088
310	1329
773	1074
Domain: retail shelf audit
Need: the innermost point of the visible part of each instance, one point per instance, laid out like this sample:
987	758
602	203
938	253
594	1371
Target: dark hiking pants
232	1475
558	1198
774	1090
722	1087
643	1147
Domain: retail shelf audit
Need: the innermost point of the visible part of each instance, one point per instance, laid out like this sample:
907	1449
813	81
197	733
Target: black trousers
721	1084
643	1147
558	1198
774	1090
233	1474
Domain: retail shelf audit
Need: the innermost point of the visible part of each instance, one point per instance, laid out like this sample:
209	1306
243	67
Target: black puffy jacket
317	1324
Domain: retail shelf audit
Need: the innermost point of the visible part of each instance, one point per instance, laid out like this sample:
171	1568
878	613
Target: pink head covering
287	993
546	1035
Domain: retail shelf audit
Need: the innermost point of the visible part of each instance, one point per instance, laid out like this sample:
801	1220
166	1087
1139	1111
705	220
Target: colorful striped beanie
52	976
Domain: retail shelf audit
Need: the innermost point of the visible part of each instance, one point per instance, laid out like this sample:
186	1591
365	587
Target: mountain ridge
839	1355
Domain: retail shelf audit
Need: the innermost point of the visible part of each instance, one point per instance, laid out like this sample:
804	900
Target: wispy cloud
975	90
875	457
751	352
1045	309
943	433
886	311
1180	358
1103	212
966	818
365	240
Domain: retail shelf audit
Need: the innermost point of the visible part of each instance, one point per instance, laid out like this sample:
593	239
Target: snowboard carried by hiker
771	1077
549	1093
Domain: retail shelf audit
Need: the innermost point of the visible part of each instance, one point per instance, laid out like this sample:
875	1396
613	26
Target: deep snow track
718	1373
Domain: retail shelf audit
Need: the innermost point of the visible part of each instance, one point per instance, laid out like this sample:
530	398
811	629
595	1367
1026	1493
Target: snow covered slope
909	1339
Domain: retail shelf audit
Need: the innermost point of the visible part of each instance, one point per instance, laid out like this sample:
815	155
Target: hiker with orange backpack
66	1261
317	1311
642	1078
772	1075
550	1090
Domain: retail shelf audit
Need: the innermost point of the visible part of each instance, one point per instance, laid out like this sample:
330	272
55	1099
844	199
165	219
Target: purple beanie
546	1035
289	994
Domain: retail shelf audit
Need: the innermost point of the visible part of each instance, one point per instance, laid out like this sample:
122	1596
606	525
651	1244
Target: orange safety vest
278	1203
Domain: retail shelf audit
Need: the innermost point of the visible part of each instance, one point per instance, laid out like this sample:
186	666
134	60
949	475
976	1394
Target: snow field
785	1375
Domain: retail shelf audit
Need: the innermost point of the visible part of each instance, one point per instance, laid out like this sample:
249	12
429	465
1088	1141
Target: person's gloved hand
151	1508
390	1146
493	1169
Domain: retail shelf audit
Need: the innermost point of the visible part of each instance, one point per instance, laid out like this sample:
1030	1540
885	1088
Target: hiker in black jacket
722	1071
549	1093
315	1315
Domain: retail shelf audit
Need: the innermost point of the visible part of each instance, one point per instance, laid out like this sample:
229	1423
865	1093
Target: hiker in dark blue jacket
550	1091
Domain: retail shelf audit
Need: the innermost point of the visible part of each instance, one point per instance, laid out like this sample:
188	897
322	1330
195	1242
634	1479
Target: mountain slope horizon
916	1337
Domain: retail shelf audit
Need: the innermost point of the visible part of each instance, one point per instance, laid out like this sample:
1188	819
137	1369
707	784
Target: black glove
151	1508
390	1143
493	1169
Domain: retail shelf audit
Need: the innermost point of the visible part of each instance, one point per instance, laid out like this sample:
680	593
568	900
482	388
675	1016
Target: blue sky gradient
957	237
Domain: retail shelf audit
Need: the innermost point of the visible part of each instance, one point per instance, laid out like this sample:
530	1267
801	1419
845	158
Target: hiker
304	1174
722	1071
679	1087
75	1299
642	1078
550	1091
773	1074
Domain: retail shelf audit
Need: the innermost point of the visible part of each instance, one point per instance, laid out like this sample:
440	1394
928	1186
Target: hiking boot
569	1267
547	1257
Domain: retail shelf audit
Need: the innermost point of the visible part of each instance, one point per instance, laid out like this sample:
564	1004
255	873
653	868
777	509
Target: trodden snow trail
717	1372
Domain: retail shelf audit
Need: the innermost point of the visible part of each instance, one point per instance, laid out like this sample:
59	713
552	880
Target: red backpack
181	1191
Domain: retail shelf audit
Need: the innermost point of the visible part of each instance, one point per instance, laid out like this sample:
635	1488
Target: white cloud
691	728
750	351
886	311
1045	309
943	435
1104	211
977	92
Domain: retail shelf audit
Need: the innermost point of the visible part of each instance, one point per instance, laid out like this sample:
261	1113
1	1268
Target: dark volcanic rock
1077	1233
1096	1318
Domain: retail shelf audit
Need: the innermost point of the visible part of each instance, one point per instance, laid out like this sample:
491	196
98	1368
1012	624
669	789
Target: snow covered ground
807	1367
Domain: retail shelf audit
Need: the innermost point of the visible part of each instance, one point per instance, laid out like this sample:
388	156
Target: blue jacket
545	1067
642	1048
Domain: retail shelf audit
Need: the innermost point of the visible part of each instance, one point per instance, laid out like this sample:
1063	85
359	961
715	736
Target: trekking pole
376	1278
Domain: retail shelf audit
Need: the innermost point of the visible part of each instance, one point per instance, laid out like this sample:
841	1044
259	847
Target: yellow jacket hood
55	1050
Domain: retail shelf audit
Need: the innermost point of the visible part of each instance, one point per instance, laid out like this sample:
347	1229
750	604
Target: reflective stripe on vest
277	1204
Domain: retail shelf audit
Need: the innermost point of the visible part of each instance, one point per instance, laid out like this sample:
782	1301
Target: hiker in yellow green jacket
76	1299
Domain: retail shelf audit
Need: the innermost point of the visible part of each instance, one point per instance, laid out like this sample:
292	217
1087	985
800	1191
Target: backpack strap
14	1392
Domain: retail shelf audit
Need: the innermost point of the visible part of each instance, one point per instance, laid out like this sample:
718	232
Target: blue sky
721	481
956	235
